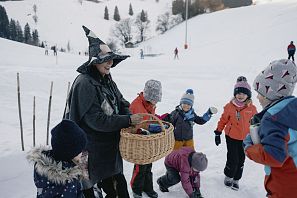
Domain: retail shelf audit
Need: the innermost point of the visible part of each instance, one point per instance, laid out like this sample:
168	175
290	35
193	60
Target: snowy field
222	46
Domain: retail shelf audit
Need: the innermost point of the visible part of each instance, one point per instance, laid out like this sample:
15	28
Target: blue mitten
206	116
154	128
247	142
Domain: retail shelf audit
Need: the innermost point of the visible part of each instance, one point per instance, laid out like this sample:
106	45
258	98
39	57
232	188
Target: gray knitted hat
188	97
277	80
199	161
152	91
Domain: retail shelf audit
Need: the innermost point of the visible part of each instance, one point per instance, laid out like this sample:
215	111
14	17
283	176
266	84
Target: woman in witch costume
98	107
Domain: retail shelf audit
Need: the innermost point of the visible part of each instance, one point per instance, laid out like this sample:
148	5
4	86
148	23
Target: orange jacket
140	105
236	120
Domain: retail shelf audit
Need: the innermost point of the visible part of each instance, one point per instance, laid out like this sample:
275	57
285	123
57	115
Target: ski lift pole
49	113
20	111
34	121
186	32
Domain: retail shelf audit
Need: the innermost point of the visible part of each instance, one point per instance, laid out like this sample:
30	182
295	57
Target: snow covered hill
59	22
222	46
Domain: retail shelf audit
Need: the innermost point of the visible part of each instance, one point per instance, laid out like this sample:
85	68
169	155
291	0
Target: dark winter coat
278	147
180	160
291	49
54	178
183	129
98	107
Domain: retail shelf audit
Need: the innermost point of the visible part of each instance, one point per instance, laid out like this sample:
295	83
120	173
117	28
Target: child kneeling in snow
183	119
184	165
56	173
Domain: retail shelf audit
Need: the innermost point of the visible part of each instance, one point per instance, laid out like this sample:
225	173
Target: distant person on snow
46	49
55	50
141	54
291	50
57	171
276	126
235	120
176	53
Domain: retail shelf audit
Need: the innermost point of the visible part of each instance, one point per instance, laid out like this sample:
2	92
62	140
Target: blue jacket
278	147
55	178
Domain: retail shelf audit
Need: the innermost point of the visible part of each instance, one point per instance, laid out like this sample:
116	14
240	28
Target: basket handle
154	117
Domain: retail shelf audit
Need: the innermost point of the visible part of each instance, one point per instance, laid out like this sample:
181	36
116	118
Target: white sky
222	46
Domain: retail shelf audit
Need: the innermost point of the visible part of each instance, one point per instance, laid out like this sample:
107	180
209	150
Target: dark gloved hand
218	137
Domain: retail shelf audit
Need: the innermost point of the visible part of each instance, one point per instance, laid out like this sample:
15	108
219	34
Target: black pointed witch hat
99	52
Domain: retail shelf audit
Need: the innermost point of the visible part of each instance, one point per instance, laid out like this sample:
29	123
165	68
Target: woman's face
263	100
104	68
241	97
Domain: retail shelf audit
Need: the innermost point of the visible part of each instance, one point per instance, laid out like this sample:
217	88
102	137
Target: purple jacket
179	160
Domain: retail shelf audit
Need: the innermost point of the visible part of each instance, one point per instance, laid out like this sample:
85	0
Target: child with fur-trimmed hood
56	170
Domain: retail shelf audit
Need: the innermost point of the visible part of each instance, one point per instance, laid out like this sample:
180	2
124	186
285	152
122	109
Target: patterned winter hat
199	161
188	97
152	91
68	140
277	80
242	86
99	52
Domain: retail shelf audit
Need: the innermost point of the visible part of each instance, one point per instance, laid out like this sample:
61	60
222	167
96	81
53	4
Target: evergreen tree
116	15
19	31
130	10
12	30
35	38
178	7
106	15
143	16
27	34
4	23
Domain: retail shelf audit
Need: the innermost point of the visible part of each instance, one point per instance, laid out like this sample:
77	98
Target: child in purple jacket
184	165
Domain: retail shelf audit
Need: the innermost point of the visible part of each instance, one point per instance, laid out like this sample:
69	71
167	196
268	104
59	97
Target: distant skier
141	54
55	50
46	49
176	53
291	50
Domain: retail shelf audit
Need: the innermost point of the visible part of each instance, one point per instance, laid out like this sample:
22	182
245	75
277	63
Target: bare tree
35	18
163	23
142	25
123	30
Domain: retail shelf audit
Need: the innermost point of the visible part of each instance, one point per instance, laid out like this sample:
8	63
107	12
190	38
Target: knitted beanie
188	97
199	161
277	80
242	87
152	91
68	140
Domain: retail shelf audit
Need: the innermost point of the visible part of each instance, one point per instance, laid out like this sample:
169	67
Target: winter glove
209	113
218	137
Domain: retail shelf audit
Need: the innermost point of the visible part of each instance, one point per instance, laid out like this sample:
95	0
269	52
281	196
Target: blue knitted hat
188	97
68	140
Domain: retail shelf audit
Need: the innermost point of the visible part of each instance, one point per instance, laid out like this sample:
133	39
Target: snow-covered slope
59	22
222	46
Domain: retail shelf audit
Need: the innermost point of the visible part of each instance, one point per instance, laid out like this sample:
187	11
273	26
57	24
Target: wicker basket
145	149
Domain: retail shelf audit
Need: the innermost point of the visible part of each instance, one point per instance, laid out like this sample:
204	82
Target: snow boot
161	186
137	195
235	185
228	181
152	194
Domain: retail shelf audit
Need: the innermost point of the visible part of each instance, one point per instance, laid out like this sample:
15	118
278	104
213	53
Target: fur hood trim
53	170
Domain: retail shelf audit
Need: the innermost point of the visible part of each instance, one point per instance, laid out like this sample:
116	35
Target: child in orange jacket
235	121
